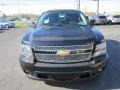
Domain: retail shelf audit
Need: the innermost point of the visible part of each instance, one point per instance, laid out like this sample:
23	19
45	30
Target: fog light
26	71
92	62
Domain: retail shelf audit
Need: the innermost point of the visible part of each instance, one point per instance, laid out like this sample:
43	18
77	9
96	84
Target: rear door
103	19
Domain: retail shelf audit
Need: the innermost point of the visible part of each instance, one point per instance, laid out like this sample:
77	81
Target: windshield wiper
56	24
78	24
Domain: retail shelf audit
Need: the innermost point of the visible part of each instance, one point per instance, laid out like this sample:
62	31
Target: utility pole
98	5
19	9
79	5
1	11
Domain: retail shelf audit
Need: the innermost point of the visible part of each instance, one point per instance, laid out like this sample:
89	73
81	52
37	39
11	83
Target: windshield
55	19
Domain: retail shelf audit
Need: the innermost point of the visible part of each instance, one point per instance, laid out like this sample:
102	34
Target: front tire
6	26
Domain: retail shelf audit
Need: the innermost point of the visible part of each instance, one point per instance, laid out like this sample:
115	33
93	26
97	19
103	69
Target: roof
63	10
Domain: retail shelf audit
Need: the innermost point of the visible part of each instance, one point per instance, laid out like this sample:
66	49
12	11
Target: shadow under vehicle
109	80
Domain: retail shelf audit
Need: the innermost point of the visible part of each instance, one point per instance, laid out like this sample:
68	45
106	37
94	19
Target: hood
63	35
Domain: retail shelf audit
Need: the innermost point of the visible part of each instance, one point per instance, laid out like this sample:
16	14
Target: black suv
63	46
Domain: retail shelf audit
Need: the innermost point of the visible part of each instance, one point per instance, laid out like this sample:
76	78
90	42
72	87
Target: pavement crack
19	86
2	79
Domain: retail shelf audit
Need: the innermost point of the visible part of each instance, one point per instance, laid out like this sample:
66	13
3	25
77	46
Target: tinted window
117	16
102	17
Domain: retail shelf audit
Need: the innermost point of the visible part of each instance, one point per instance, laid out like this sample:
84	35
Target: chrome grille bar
53	58
84	53
56	48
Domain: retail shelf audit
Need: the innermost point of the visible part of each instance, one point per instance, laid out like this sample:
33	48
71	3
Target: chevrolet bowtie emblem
63	53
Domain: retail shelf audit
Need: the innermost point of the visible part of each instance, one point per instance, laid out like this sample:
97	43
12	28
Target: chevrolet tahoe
63	46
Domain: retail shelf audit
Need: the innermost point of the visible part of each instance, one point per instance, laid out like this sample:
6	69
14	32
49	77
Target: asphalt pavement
13	78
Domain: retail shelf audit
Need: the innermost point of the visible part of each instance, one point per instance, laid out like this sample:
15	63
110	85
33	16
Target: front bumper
65	72
102	22
115	21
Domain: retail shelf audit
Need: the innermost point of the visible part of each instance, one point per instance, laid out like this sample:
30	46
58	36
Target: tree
4	15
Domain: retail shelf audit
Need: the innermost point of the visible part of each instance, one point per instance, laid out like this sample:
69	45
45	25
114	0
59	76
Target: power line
19	4
29	3
26	4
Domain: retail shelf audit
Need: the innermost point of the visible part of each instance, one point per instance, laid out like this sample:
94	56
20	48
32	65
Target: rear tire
110	22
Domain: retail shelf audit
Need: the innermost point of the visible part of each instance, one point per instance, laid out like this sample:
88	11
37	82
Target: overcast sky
38	6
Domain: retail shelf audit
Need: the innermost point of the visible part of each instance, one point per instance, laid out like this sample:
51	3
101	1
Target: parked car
101	19
112	19
63	46
1	26
7	23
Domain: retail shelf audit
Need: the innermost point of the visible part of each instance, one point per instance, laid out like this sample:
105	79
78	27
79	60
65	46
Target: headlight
100	49
27	54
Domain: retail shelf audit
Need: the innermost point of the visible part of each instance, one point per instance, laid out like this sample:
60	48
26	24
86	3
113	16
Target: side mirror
87	18
92	22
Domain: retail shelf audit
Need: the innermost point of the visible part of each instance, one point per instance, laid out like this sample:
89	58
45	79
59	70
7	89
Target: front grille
56	48
58	59
82	53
